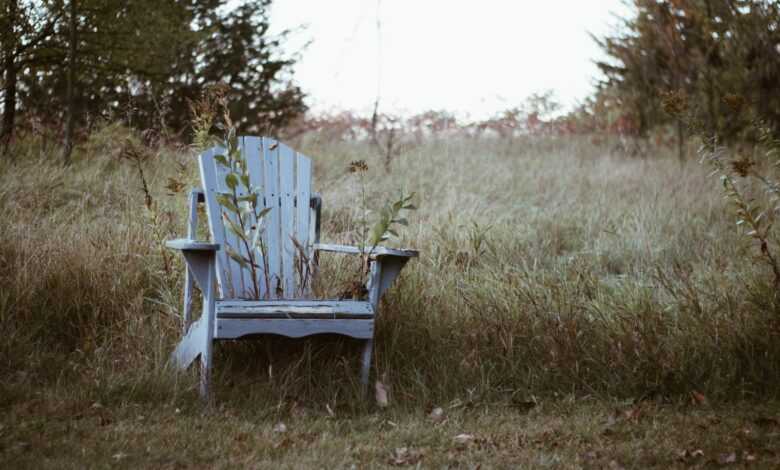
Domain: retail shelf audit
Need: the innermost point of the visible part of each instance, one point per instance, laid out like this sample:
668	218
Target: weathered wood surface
195	245
334	308
190	347
282	179
377	252
297	328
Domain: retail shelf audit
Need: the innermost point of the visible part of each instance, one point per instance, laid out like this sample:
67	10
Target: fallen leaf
437	415
381	394
463	439
698	398
686	455
280	428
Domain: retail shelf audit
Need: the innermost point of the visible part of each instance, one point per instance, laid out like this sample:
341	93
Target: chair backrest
282	178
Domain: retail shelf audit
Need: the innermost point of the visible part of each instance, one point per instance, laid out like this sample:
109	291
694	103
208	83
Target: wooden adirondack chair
231	307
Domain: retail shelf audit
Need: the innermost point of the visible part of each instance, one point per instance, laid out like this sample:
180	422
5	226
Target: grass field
571	308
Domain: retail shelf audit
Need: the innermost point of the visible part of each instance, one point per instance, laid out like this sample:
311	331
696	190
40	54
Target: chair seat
294	309
293	318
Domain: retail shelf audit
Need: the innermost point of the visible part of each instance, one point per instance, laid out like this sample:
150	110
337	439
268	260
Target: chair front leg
189	286
206	356
203	266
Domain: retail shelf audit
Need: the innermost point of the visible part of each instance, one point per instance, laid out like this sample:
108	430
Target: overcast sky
470	57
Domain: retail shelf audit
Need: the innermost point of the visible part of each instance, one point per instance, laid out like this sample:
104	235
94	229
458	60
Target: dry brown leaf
698	398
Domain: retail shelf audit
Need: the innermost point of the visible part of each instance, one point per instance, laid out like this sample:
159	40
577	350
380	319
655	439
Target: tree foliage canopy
711	52
143	60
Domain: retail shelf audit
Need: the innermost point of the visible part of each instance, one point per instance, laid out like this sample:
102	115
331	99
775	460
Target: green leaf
251	198
231	180
221	159
226	201
237	258
235	228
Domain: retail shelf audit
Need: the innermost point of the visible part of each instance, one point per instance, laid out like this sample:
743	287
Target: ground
571	307
564	433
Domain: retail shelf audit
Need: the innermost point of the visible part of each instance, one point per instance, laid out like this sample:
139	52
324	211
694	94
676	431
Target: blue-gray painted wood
191	245
332	308
189	281
271	191
377	252
208	178
283	180
190	347
253	148
294	328
304	227
287	219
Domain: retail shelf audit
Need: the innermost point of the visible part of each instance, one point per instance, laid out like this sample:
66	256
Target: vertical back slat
271	192
254	159
302	210
283	180
287	217
239	288
245	280
208	176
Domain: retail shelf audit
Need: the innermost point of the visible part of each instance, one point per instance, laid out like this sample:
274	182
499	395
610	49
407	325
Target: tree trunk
70	119
711	93
9	67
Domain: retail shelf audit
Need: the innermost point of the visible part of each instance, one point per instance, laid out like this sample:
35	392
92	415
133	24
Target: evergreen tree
701	50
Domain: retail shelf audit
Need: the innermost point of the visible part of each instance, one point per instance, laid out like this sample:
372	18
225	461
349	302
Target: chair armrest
185	244
378	251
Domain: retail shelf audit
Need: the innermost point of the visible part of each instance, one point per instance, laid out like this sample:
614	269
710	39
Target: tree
239	52
700	50
25	28
116	61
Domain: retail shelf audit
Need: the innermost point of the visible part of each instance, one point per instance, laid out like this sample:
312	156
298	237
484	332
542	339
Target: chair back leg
365	365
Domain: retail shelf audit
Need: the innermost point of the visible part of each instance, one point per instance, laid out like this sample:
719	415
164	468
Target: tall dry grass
548	267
